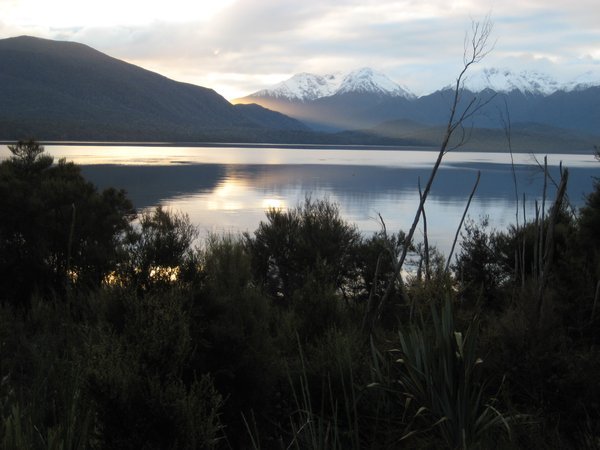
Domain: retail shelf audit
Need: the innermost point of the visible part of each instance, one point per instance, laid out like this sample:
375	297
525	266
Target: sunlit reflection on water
228	189
273	203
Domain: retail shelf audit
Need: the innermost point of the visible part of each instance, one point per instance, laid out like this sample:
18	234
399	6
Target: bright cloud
105	13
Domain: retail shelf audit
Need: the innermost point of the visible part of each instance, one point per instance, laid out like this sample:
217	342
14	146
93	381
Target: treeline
121	330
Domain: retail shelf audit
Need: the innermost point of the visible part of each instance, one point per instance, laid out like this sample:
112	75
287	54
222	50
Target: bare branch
462	221
555	184
506	123
425	237
548	251
475	49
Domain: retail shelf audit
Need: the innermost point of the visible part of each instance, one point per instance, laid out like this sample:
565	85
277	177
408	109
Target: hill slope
65	90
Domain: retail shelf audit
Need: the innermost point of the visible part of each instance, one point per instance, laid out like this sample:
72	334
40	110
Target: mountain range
364	99
56	90
304	87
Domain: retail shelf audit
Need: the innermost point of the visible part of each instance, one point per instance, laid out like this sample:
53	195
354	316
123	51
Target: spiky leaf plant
437	377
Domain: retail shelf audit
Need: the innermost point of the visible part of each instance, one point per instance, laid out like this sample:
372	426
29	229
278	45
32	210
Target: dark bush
477	266
56	230
311	240
159	249
139	380
235	327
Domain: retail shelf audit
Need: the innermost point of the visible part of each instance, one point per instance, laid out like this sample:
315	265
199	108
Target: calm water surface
227	189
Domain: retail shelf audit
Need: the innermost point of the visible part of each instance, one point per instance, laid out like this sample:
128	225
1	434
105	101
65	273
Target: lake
228	188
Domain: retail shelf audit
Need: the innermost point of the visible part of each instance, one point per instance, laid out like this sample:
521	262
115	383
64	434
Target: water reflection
233	198
225	188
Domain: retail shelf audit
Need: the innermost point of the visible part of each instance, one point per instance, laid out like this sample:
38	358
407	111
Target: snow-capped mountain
528	82
306	87
365	98
367	80
303	87
583	81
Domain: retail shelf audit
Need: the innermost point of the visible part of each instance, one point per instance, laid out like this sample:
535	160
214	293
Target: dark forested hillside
69	91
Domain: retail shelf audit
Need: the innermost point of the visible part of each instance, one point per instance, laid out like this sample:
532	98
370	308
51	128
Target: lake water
228	188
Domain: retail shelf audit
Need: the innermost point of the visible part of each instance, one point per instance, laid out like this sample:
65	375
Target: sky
237	47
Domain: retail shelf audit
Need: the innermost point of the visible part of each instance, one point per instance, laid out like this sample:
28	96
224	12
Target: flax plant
438	381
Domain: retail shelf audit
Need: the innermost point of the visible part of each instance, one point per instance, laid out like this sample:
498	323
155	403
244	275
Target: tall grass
72	427
333	423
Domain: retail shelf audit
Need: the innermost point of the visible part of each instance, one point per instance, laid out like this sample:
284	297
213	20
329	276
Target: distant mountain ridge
308	86
527	82
68	91
369	98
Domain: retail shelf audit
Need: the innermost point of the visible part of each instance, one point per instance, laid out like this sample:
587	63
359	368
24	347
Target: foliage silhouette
56	229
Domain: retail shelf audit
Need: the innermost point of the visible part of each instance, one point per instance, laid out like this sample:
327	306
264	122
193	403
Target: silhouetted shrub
589	228
159	249
42	398
135	377
477	266
310	240
56	230
234	327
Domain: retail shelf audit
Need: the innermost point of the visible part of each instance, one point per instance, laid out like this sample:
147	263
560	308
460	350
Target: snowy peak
527	82
505	80
583	81
367	80
305	87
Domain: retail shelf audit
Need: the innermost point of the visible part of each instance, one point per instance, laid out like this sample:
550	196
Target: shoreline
267	145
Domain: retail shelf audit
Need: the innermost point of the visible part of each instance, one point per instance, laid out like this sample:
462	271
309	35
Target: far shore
294	146
232	144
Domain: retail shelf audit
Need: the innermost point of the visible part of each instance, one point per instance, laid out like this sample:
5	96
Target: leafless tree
477	46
